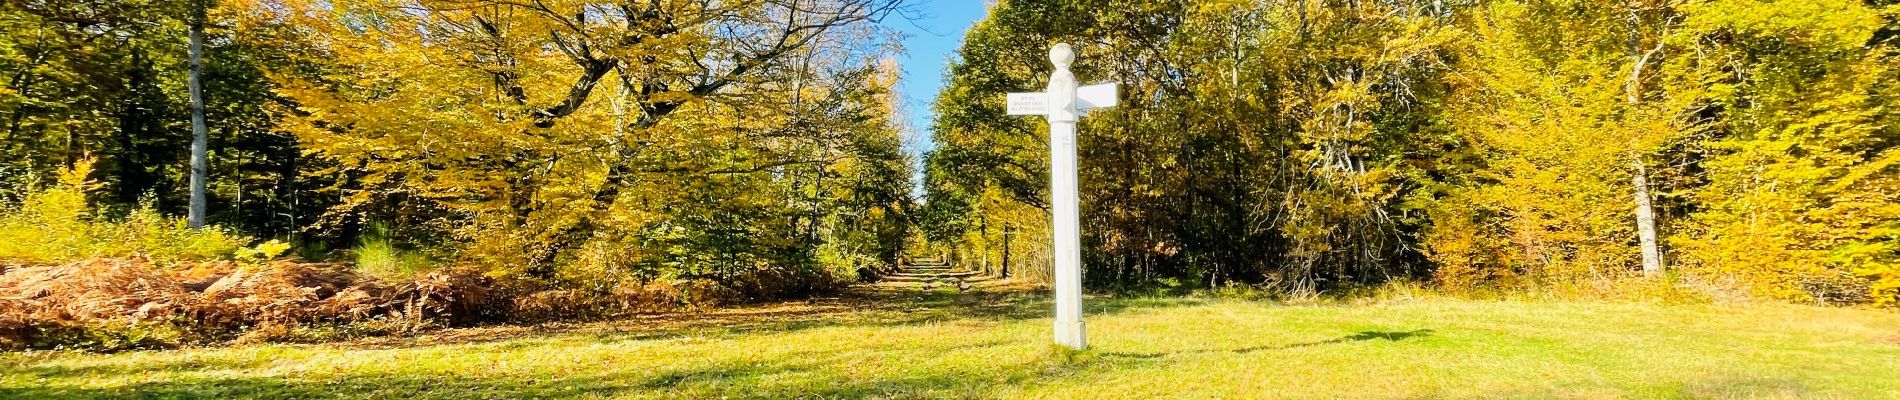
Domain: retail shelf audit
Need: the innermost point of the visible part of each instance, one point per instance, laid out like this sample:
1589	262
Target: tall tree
663	136
200	141
1641	56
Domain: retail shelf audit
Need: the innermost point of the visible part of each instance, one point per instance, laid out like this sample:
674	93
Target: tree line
1309	145
569	143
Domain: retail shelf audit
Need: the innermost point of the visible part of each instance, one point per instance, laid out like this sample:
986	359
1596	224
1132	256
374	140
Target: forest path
929	274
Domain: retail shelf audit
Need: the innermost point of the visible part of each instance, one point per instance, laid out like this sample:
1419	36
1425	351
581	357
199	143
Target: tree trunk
1639	175
1645	219
196	218
1008	232
983	236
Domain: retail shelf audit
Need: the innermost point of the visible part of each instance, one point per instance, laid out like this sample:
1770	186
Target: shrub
376	254
70	278
1469	249
55	226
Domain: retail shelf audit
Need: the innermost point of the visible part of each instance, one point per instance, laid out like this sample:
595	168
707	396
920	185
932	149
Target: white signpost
1061	104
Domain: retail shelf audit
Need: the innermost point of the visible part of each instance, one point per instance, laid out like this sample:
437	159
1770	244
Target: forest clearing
898	341
1408	199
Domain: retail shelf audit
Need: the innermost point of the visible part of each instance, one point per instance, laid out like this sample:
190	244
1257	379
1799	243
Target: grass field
894	343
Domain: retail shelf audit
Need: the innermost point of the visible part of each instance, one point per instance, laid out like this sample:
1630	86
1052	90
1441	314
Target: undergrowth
71	278
375	253
55	225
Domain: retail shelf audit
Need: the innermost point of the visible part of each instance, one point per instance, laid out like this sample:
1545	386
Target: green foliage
106	79
114	336
377	254
267	250
55	225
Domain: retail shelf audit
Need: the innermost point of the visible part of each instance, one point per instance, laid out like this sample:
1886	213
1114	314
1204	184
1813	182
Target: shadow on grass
863	307
181	362
791	375
798	374
1392	336
1718	386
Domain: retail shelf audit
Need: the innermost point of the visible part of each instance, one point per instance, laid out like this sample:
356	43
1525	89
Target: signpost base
1072	334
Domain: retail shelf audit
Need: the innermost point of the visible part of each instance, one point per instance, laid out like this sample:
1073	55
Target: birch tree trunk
1645	219
196	217
1639	174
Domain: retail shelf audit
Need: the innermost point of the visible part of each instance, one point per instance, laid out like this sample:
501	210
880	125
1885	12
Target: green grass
377	255
900	344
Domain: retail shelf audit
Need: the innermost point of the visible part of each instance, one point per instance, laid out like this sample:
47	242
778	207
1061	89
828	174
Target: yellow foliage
1803	194
595	147
1464	244
1561	118
55	226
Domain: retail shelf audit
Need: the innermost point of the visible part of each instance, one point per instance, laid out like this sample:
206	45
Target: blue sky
932	30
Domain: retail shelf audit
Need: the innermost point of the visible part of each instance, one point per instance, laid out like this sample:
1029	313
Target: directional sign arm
1097	96
1029	103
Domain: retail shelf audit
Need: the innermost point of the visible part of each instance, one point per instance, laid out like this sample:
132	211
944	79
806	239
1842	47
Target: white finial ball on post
1061	55
1061	84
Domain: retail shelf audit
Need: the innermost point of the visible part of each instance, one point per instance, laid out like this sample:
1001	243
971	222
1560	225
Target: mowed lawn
905	344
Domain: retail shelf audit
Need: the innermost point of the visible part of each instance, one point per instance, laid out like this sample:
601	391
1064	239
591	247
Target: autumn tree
1260	142
619	136
1311	145
1569	102
1802	192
